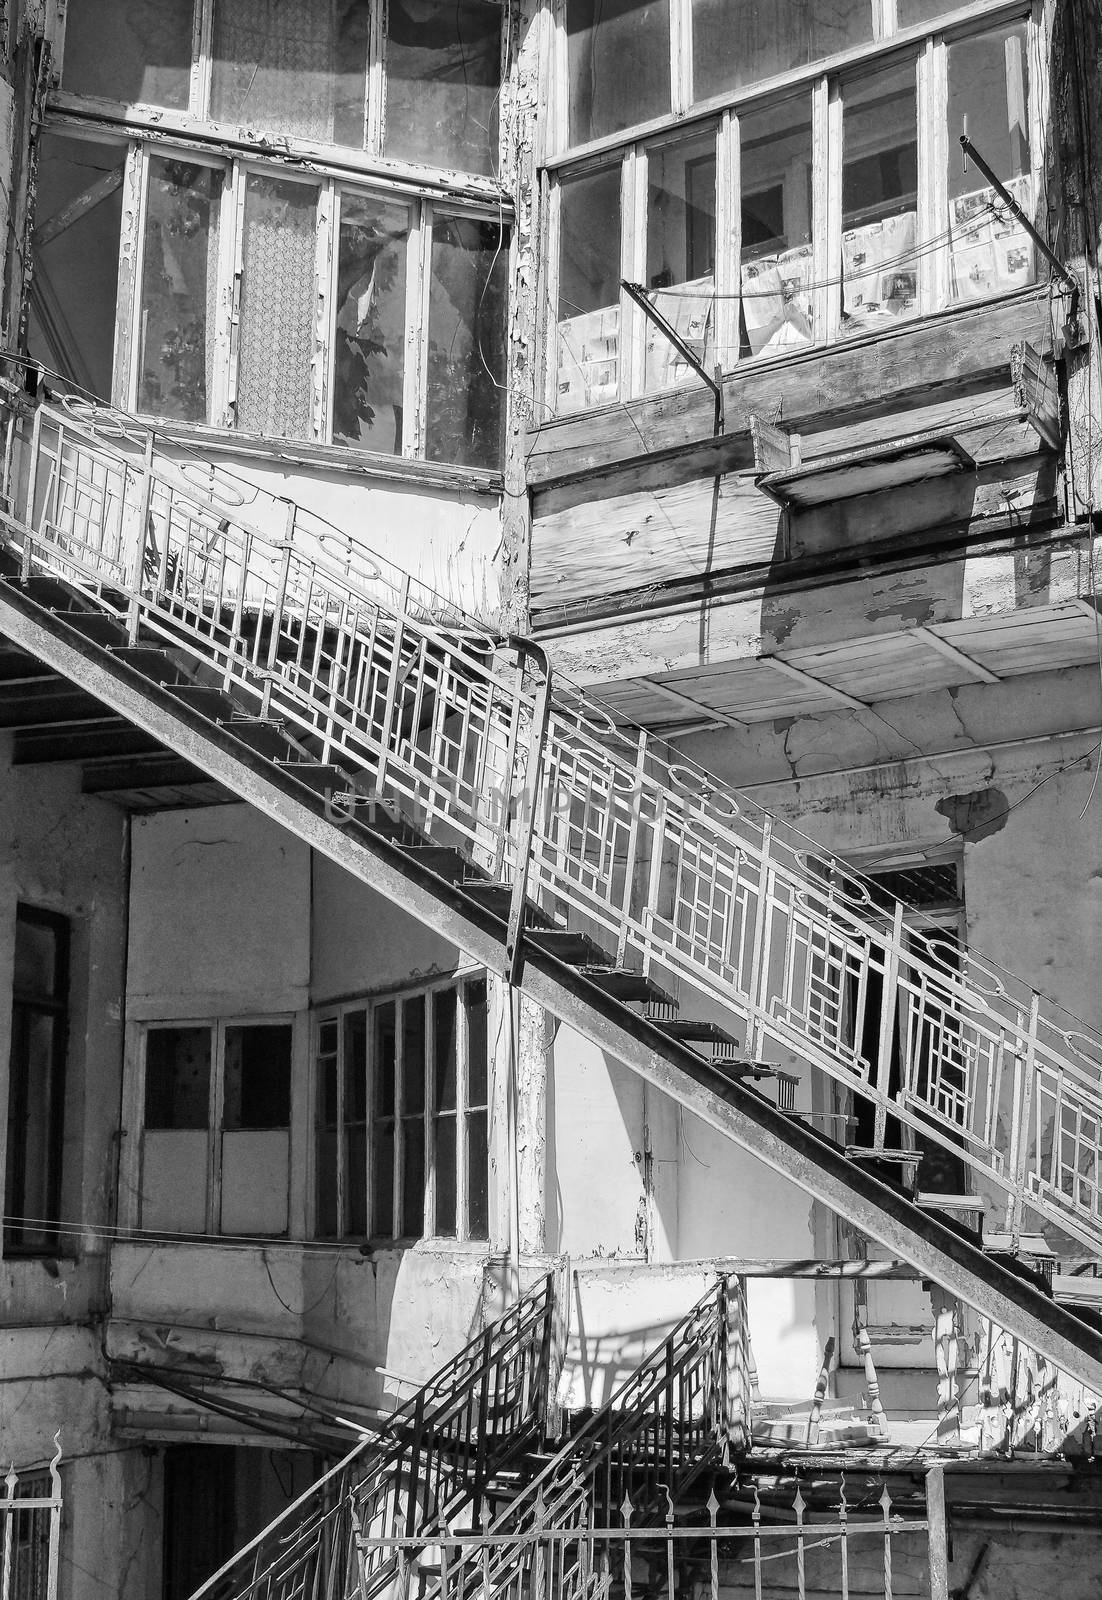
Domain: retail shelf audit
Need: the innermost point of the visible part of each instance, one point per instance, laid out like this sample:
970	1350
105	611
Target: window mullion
233	258
419	247
127	343
342	1208
325	301
633	259
201	52
933	177
549	313
826	226
681	55
728	240
375	82
884	18
558	83
1038	51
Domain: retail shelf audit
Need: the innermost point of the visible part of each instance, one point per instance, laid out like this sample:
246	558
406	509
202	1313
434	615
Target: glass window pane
413	1180
257	1086
618	61
276	338
478	1180
477	1040
298	70
589	291
681	254
879	199
355	1181
989	100
179	290
177	1077
413	1055
382	1181
327	1079
776	267
444	1016
736	42
369	356
443	79
466	367
444	1226
911	12
385	1059
76	259
135	51
355	1066
327	1184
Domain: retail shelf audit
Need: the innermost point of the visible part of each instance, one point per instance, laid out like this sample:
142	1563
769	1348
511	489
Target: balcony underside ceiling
861	672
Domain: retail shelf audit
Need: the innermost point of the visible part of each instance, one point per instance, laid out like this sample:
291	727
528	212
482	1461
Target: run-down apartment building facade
548	616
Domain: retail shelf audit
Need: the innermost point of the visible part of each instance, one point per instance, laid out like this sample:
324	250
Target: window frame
462	985
58	1007
215	1127
423	210
196	115
926	44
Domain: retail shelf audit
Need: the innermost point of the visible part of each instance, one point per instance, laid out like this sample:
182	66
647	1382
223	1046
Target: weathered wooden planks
957	347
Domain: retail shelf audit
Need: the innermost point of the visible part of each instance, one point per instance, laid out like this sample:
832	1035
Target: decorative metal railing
600	824
481	1411
685	1406
793	1547
30	1531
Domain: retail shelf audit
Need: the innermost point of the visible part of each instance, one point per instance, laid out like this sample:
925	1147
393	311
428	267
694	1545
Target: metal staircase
479	1415
506	810
682	1410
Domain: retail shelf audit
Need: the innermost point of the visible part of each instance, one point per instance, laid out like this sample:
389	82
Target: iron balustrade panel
685	880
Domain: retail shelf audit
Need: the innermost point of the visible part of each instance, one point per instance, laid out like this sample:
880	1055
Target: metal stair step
446	862
737	1067
156	665
266	738
320	776
688	1031
625	985
575	949
213	703
94	625
50	592
498	898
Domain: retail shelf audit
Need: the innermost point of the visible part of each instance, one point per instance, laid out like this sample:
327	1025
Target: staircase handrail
816	962
436	1450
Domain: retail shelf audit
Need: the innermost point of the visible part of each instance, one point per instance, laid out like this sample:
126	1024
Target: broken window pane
299	70
369	355
466	366
736	42
776	267
177	1077
412	1223
76	259
618	62
179	289
879	200
257	1088
989	101
589	291
443	78
276	336
681	254
134	51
